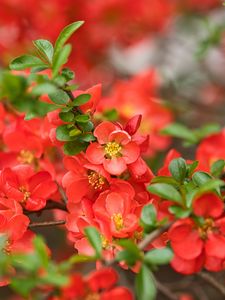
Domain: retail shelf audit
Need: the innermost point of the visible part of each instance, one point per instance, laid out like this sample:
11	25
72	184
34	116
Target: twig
50	205
47	223
212	281
165	291
152	236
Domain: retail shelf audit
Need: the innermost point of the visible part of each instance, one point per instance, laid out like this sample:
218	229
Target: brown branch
165	290
212	281
50	205
47	223
153	235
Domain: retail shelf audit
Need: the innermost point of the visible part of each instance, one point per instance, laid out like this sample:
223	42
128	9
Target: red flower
28	188
115	210
83	179
114	149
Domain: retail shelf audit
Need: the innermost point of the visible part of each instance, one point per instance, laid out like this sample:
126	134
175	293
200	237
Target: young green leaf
74	147
159	256
144	284
45	49
217	167
26	61
148	216
65	34
63	133
66	116
60	59
178	169
95	240
81	99
59	97
165	191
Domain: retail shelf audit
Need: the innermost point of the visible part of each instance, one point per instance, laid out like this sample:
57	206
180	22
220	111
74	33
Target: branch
50	205
165	291
153	235
212	281
47	223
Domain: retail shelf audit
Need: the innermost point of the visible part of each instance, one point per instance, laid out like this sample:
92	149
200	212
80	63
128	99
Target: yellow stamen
206	228
26	194
25	157
112	149
92	296
118	221
96	180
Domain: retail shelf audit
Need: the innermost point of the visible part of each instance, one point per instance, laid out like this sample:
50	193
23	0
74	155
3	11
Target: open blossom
116	211
30	189
83	179
198	244
114	148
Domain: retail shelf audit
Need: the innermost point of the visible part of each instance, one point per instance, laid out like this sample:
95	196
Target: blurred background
164	59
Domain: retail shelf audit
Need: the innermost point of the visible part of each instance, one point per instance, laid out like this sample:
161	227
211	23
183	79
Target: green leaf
164	179
65	34
81	99
45	48
23	286
86	127
68	74
26	61
180	131
59	97
41	250
179	212
63	133
191	168
207	130
159	256
111	114
74	147
60	59
178	169
94	239
217	167
66	116
200	178
82	118
148	216
87	137
165	191
131	254
44	88
144	284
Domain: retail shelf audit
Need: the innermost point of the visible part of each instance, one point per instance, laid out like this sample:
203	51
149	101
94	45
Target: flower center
26	194
95	180
25	157
105	242
92	296
112	149
118	221
206	228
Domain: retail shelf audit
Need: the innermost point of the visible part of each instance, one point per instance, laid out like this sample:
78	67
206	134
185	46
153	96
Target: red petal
114	204
187	266
115	166
208	205
95	153
214	264
133	124
120	136
102	279
103	130
118	293
215	245
77	190
130	152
